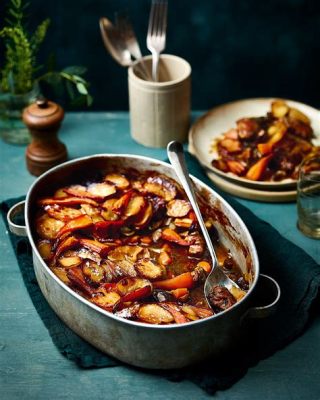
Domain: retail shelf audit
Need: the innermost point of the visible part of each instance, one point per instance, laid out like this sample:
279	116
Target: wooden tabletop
32	368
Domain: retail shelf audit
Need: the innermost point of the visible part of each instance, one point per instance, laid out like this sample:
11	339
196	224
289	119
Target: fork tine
164	18
151	18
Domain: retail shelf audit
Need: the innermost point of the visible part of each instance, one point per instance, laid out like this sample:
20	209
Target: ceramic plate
220	119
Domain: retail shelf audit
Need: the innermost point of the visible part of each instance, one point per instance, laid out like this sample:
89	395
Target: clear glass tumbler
308	199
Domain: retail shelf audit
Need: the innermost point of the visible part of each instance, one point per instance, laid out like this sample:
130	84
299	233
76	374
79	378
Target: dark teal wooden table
32	368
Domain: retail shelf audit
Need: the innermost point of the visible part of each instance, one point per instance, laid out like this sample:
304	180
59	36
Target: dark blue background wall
237	49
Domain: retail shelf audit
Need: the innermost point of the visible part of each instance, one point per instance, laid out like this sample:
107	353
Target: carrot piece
184	280
265	148
181	292
173	236
205	266
257	169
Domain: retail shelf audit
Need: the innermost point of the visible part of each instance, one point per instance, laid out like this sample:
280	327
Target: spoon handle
177	160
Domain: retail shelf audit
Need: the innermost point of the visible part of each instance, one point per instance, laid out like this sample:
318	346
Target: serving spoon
119	45
216	277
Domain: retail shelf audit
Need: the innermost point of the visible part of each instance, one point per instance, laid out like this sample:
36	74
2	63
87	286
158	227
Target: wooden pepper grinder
43	119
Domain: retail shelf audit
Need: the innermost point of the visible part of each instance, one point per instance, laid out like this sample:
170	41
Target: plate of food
256	143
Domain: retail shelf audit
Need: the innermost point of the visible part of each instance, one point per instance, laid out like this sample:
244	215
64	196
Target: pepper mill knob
43	119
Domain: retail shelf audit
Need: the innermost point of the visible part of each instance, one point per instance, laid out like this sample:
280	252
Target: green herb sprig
21	71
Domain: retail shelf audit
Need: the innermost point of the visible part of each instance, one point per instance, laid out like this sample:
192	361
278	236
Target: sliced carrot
184	280
257	169
173	236
266	148
205	266
181	292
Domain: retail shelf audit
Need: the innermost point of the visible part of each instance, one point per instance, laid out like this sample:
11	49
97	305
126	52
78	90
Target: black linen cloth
296	272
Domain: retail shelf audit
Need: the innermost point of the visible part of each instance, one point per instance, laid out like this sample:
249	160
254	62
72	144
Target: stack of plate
218	121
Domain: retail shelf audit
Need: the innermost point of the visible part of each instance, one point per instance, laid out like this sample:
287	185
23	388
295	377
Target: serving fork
156	37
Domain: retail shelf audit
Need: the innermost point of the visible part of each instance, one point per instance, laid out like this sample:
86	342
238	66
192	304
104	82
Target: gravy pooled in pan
130	244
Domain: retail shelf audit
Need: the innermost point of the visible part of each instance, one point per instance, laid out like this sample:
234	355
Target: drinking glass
308	200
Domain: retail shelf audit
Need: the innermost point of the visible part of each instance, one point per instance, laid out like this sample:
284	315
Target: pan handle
267	296
17	209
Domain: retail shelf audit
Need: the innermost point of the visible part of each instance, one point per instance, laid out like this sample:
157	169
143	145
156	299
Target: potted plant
21	77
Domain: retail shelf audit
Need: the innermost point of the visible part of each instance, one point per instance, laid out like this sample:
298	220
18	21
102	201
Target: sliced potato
144	219
61	274
93	271
148	269
161	186
63	213
154	314
118	180
47	227
164	258
101	190
135	205
68	262
107	300
125	253
68	201
45	249
109	215
296	114
60	194
128	285
178	208
183	222
279	108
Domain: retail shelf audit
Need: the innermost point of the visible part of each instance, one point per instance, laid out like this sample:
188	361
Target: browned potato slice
107	300
296	114
154	314
61	274
68	262
45	249
101	190
132	285
47	227
135	206
238	294
161	186
147	269
125	253
164	258
119	181
63	213
279	108
178	208
125	268
109	203
109	215
145	217
183	222
60	194
93	271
